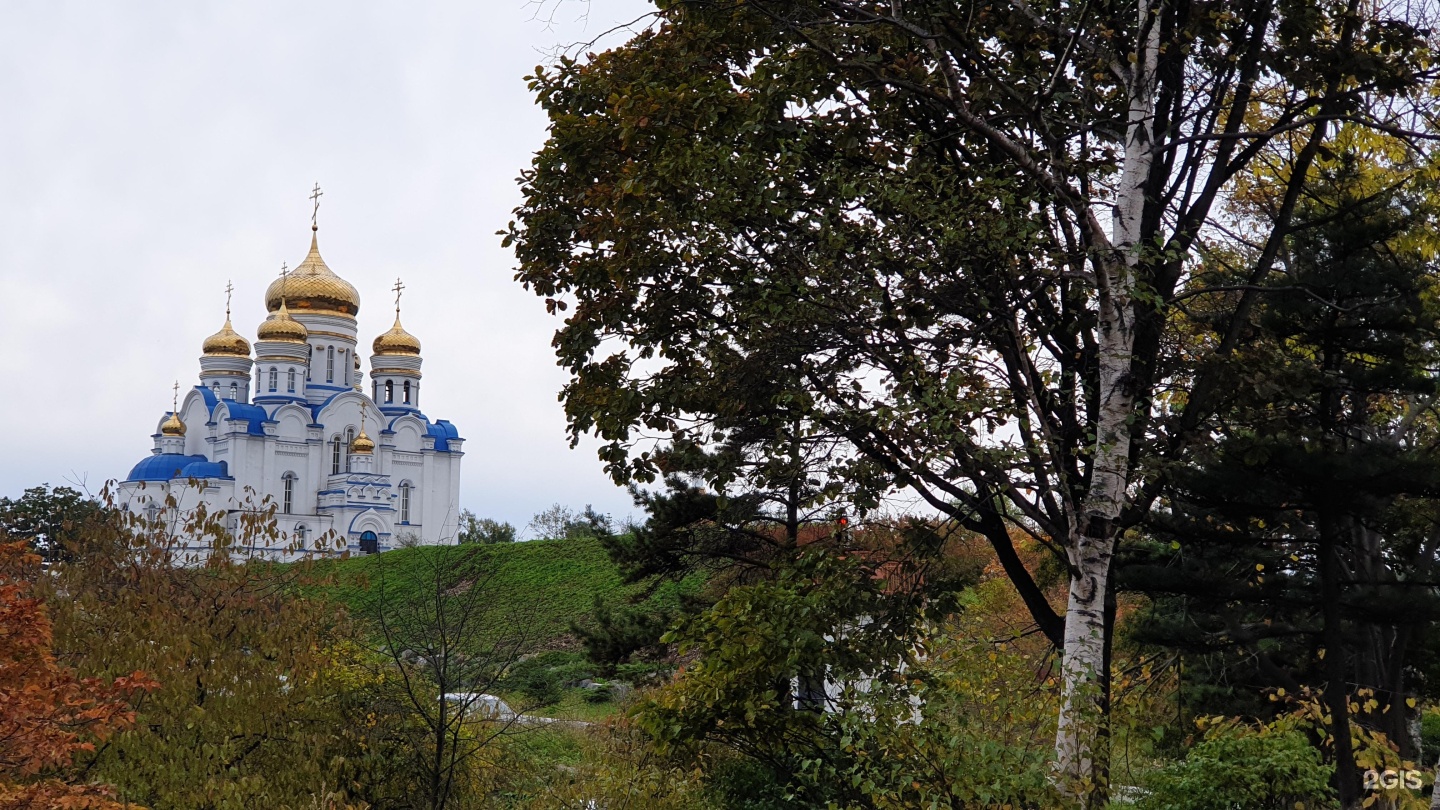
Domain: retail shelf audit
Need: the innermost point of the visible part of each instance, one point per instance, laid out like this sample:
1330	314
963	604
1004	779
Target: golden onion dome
173	426
313	287
226	342
362	445
397	341
282	328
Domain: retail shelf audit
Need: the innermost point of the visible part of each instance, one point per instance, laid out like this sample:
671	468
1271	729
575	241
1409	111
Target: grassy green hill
550	583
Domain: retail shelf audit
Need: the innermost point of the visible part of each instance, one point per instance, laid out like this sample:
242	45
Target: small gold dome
226	342
397	341
313	287
362	444
282	328
173	426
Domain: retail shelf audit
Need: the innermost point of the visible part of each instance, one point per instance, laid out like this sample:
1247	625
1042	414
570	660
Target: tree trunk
1337	694
1080	757
1078	735
1435	791
437	799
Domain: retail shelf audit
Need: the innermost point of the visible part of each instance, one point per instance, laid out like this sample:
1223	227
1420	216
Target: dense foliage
48	518
48	716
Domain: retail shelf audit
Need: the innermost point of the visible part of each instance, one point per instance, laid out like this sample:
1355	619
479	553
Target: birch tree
951	237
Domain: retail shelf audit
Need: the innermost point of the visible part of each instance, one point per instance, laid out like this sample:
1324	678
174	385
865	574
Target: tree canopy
942	246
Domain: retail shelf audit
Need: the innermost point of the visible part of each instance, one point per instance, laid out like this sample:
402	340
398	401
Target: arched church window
292	380
287	503
389	391
300	534
349	440
344	369
405	502
274	378
407	392
335	455
215	387
234	391
330	365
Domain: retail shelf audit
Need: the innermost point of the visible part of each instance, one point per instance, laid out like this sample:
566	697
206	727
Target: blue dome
163	467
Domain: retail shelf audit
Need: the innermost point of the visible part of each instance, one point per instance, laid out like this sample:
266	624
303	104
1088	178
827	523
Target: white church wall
291	423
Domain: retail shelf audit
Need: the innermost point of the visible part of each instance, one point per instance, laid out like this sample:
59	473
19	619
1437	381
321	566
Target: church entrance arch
369	543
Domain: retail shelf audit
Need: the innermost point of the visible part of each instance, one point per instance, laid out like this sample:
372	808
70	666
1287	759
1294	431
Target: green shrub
542	679
1430	736
744	784
573	673
1243	768
642	672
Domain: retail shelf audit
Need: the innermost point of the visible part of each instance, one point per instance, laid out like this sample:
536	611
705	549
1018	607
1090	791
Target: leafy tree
48	519
484	530
48	715
551	522
559	521
945	239
589	523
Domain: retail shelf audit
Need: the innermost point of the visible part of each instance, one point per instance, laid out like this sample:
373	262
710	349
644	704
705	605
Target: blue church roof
164	467
255	414
443	432
205	469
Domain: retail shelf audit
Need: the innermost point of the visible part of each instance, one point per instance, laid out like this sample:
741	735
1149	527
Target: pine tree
1299	549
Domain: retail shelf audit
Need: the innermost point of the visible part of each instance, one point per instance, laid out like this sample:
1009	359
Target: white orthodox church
295	423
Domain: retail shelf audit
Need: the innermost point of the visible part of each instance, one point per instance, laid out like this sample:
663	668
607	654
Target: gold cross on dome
315	196
229	288
175	397
398	288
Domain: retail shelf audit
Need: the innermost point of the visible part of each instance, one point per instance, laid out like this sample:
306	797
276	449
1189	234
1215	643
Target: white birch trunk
1435	793
1092	544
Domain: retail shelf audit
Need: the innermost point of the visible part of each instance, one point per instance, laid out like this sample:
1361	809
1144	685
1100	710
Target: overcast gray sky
149	151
